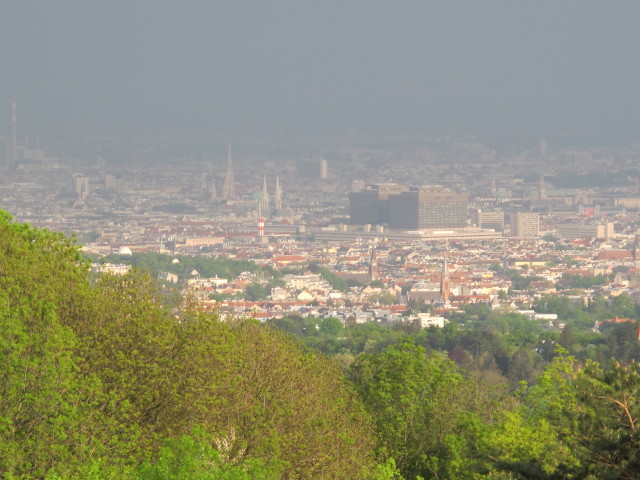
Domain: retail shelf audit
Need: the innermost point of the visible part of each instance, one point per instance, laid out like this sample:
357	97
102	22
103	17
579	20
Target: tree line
104	378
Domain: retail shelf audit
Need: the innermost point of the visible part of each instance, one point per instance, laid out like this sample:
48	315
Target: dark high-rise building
371	205
428	207
408	208
404	210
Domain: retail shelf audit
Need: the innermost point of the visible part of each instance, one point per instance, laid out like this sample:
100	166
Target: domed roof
124	251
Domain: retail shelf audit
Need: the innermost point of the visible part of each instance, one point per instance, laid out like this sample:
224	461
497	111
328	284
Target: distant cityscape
436	221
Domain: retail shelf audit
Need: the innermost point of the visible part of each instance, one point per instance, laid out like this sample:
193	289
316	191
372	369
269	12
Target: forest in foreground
107	378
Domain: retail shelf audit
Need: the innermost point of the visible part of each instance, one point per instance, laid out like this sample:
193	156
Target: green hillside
103	378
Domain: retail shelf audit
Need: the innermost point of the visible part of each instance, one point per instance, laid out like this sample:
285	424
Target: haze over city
506	72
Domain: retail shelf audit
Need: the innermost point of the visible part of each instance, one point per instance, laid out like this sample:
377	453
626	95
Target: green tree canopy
97	376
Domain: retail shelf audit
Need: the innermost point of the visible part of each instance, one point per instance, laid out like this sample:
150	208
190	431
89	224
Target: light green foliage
192	457
41	405
39	414
387	471
95	376
129	341
553	394
264	396
110	380
523	446
573	424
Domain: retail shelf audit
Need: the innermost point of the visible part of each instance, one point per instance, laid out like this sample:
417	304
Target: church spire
278	195
445	285
264	200
373	266
229	189
542	189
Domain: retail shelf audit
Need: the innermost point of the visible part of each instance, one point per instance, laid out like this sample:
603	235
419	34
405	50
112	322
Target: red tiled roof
613	254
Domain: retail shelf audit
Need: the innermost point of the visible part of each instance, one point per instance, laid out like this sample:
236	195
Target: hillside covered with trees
104	378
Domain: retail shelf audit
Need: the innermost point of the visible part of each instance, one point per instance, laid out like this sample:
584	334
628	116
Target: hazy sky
500	68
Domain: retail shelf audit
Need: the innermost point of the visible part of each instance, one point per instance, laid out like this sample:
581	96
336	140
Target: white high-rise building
324	169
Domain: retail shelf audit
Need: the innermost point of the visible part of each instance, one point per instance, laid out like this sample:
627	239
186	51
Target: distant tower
278	195
324	169
202	188
494	190
635	247
543	146
213	191
12	155
260	224
211	180
373	266
80	186
229	189
542	188
264	200
445	284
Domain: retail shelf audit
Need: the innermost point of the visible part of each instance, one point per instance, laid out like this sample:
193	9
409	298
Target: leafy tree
193	457
95	376
606	420
385	298
43	401
223	267
580	281
255	291
334	280
39	395
533	439
623	307
585	424
266	398
331	326
477	311
423	409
